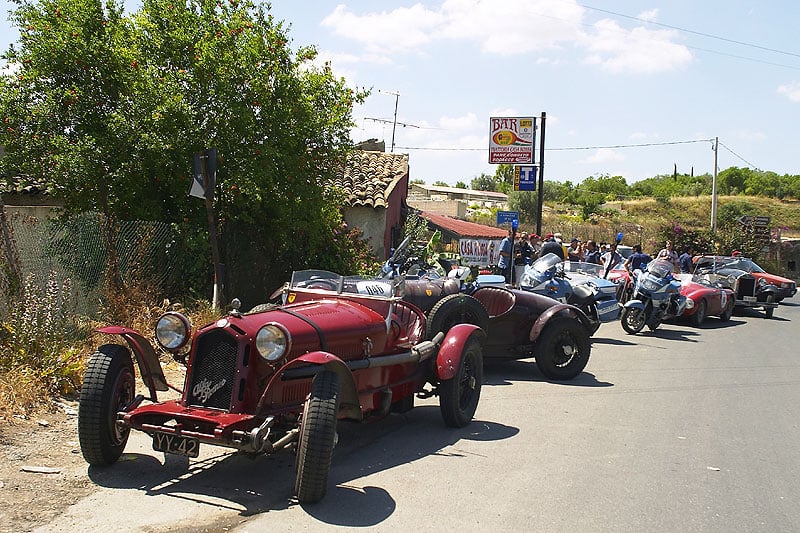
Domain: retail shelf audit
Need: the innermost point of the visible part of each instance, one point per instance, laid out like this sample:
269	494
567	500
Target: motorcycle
656	297
577	283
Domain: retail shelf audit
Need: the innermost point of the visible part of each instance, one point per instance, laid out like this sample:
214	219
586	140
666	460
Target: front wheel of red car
458	396
108	387
699	315
562	351
317	438
728	312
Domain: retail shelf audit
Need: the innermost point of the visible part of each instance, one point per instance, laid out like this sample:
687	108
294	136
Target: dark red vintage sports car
518	324
280	376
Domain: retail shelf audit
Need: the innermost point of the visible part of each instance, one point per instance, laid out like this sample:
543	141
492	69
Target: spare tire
456	309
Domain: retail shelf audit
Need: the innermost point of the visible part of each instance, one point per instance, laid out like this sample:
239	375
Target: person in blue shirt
636	259
504	262
685	260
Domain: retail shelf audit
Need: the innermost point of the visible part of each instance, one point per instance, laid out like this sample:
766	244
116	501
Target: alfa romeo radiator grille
213	370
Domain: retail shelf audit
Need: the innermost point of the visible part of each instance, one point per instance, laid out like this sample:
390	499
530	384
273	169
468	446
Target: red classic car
280	376
786	287
705	298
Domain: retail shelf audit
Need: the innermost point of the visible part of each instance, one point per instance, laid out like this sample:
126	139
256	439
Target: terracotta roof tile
370	177
463	228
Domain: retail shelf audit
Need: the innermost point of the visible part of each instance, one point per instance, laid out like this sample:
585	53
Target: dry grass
24	394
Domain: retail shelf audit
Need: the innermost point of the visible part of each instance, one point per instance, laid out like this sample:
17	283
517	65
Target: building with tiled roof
453	228
377	187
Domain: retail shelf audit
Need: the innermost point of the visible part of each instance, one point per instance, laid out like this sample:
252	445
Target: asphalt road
683	429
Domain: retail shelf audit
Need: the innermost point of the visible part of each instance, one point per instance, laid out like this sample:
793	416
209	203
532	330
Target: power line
686	30
748	163
640	145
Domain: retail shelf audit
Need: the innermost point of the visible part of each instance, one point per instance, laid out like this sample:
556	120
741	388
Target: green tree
441	183
460	185
107	110
504	178
484	182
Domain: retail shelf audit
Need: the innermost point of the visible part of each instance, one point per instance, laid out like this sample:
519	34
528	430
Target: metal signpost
511	141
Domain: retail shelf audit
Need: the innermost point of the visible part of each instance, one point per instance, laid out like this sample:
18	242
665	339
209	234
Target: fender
146	358
449	357
545	317
349	406
634	304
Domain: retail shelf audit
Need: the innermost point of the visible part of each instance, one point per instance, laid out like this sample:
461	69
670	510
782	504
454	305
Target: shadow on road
505	372
253	486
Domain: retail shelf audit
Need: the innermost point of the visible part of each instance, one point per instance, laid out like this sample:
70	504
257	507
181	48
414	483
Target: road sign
511	140
761	222
525	178
507	217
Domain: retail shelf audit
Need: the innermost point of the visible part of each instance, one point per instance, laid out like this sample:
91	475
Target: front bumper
243	432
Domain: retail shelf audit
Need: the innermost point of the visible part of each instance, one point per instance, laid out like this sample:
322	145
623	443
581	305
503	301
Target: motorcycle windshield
545	263
660	268
591	269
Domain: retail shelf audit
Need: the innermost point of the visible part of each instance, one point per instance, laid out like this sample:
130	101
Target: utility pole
396	95
714	189
541	176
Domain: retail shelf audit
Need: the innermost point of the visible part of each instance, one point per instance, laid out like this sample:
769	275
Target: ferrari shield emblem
428	292
291	297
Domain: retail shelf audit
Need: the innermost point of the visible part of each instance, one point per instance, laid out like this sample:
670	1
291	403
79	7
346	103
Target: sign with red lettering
511	140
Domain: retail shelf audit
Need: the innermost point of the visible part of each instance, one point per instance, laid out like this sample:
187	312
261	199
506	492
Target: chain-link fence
74	249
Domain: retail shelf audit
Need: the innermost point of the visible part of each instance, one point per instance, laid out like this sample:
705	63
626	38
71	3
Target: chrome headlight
172	331
272	342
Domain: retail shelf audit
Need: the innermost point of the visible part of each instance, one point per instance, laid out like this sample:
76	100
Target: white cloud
466	122
637	50
401	29
750	135
791	91
649	16
513	27
603	155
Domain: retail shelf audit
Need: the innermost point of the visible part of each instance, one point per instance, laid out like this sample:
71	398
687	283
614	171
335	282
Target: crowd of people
529	247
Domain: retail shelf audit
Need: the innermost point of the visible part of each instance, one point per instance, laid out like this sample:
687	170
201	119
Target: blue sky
611	76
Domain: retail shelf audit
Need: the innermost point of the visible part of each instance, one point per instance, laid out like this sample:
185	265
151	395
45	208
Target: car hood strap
323	344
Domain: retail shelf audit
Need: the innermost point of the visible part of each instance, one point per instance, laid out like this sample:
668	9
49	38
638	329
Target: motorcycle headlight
172	331
272	342
650	285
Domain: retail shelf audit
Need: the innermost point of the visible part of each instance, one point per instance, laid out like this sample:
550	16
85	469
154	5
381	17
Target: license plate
750	299
164	442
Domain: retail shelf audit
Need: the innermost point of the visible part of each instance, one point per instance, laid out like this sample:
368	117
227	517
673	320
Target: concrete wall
450	208
372	222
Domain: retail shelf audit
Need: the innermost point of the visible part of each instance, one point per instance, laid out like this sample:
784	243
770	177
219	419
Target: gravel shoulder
42	471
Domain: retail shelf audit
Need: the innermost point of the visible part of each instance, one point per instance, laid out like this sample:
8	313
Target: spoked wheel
458	396
633	320
317	438
456	309
563	349
108	388
699	315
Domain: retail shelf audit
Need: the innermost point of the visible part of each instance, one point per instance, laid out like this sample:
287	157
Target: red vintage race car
705	298
280	376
